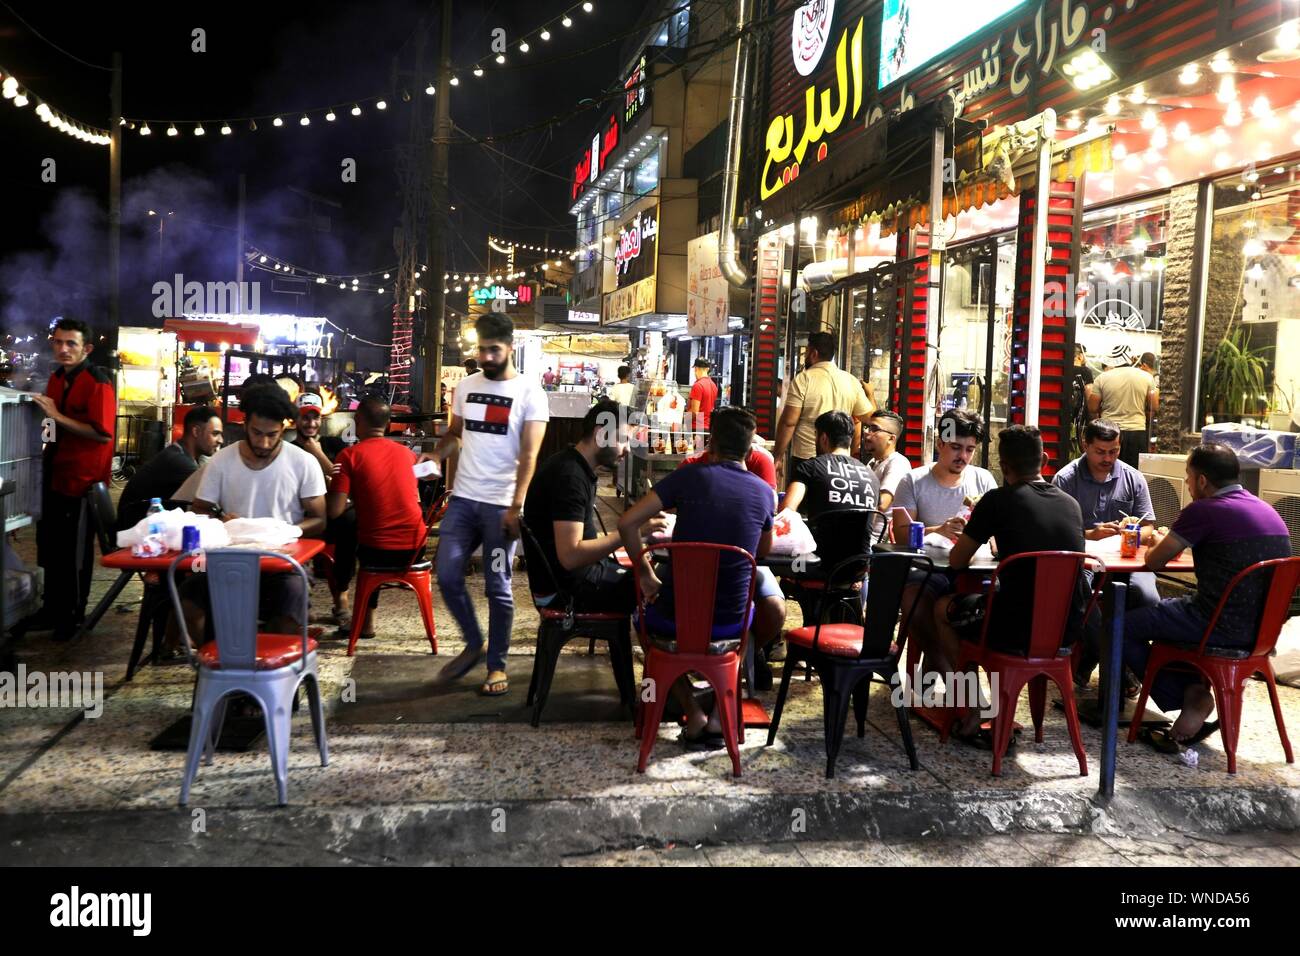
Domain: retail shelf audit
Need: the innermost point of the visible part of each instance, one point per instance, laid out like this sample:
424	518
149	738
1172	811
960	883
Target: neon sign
634	238
635	92
594	160
520	295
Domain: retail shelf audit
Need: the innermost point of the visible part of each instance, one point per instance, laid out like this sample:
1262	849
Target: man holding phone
1109	492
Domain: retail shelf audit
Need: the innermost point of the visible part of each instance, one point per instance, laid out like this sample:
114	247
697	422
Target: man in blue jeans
499	418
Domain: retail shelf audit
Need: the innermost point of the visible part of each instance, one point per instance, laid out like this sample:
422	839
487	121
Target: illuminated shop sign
634	257
913	32
519	295
810	33
595	159
637	93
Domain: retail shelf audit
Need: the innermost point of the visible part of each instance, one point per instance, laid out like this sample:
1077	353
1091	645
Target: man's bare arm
313	518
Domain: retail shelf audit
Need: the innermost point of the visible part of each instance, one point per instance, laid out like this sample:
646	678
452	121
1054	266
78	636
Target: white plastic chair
246	662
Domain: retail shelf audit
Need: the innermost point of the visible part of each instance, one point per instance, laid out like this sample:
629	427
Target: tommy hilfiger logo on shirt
495	415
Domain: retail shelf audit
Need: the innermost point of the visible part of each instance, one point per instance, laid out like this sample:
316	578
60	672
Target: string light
225	129
277	122
198	130
330	117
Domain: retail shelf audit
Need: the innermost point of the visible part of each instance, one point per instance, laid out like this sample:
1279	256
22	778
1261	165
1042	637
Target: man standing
624	392
80	411
1107	491
378	476
1026	514
166	471
1126	395
703	397
821	387
1228	530
880	438
499	418
262	476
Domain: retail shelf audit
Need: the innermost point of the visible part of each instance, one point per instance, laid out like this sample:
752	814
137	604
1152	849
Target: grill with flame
329	400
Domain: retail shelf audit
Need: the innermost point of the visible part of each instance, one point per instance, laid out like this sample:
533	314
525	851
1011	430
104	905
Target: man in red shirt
704	395
80	411
377	474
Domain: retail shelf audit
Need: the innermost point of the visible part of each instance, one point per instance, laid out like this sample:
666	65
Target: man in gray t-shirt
880	446
936	504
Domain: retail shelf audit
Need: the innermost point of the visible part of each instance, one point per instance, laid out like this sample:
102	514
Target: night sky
290	58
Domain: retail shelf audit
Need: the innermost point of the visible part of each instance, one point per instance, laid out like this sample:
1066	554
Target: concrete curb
544	831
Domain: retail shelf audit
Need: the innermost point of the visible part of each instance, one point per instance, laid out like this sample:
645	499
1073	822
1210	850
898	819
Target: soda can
189	538
917	536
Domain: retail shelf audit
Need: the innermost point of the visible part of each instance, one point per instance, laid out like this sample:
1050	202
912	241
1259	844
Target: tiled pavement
51	764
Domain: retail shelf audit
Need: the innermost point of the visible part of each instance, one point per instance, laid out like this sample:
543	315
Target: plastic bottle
153	540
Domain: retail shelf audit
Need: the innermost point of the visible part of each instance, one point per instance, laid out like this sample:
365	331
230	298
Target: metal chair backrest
234	577
1056	575
104	515
885	575
696	566
1283	577
432	516
543	582
847	532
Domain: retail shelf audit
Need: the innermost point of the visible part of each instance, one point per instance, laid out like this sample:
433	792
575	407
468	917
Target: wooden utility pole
435	298
114	214
239	248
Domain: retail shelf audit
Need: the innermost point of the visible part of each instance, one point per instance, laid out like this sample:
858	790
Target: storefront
1161	139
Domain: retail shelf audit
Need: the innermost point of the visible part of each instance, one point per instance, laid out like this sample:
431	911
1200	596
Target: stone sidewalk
490	790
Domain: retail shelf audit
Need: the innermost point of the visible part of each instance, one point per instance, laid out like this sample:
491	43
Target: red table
302	551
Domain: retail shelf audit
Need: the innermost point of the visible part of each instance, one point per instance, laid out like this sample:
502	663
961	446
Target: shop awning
191	330
1005	148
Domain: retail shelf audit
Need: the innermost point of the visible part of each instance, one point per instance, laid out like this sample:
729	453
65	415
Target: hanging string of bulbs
20	95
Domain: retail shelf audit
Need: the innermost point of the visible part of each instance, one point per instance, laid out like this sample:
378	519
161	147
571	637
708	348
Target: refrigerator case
20	457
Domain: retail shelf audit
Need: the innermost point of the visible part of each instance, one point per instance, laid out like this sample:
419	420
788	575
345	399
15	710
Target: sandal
1159	739
459	666
982	739
502	684
1208	729
708	740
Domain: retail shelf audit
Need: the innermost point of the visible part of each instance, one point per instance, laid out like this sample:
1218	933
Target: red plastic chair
1227	674
417	577
1055	574
694	588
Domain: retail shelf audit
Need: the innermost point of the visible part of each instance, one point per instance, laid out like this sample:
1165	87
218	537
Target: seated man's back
159	477
377	474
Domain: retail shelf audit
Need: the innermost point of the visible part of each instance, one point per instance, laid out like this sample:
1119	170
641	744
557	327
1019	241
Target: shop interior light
1182	131
1253	248
1114	105
1255	272
1288	36
1190	75
1223	161
1149	119
1261	109
1222	63
1138	96
1073	121
1232	116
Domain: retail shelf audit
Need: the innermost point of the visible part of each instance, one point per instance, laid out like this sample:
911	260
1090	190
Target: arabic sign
634	255
811	30
636	299
637	92
912	32
707	297
595	159
513	296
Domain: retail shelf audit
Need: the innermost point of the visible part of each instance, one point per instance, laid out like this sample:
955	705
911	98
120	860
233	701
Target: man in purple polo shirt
1228	529
720	502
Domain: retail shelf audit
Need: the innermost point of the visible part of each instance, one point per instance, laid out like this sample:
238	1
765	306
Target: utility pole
436	299
239	250
114	214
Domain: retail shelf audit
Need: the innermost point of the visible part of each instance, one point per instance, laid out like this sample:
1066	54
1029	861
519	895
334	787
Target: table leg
148	604
1111	684
106	601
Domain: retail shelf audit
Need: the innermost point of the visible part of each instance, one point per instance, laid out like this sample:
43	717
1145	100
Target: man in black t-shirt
165	472
1025	514
560	513
834	480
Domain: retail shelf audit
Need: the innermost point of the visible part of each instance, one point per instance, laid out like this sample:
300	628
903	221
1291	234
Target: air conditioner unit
1280	487
1166	477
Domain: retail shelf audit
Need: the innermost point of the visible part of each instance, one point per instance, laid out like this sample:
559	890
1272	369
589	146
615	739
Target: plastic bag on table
270	534
790	535
212	533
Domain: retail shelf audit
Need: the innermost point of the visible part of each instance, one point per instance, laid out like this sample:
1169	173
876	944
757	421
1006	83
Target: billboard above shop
913	32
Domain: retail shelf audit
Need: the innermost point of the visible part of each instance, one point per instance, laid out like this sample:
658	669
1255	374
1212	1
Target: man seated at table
163	474
261	476
935	495
834	480
1108	491
377	475
341	529
880	438
1228	529
758	461
560	511
1026	514
721	503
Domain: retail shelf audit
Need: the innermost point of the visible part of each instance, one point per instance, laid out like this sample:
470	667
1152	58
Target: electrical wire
39	35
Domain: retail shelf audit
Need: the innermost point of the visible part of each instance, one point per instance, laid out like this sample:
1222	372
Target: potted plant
1234	378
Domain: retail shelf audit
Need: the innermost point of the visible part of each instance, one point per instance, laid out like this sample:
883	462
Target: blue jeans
1174	620
467	525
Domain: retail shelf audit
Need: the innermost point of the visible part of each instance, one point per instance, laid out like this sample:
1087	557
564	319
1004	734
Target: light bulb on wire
277	122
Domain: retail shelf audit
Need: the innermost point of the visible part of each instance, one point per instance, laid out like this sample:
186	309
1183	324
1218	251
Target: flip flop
459	666
1160	740
709	740
1208	729
503	682
982	739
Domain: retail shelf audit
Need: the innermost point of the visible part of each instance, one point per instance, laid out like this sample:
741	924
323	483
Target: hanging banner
636	299
707	296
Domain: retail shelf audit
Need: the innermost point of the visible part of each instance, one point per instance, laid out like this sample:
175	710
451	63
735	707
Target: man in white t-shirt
624	392
262	476
499	417
936	496
880	441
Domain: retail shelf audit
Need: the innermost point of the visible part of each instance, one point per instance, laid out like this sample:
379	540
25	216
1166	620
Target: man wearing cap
704	395
341	530
1126	395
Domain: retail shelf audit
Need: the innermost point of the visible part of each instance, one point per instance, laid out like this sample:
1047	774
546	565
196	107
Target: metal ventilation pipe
728	263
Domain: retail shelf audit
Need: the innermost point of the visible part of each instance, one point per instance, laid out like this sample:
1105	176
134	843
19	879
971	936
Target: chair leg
1227	699
148	605
835	709
106	601
1066	687
787	672
200	720
1038	704
1005	722
905	728
550	651
652	712
728	707
1271	680
366	585
537	656
275	699
317	717
424	594
620	661
1148	679
861	697
591	647
214	731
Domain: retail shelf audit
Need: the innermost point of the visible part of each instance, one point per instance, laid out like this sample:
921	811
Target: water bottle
153	540
155	507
